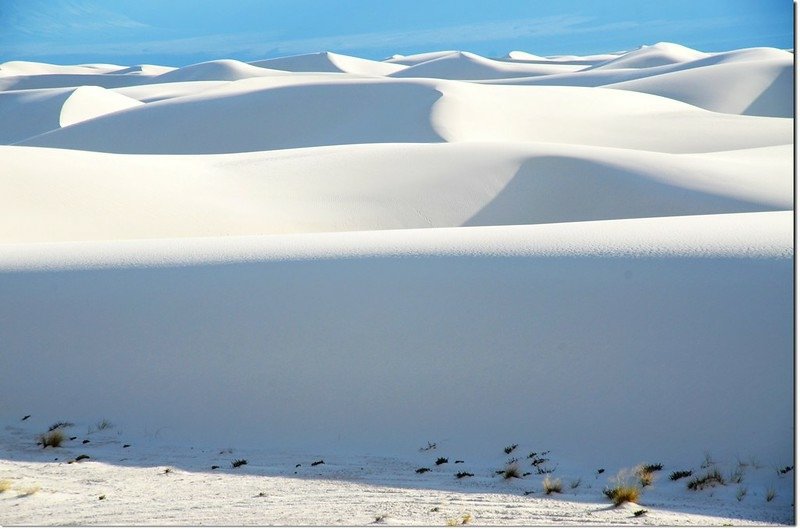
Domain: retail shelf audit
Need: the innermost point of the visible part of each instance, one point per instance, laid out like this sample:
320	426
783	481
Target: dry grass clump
627	488
52	438
5	484
29	491
550	485
646	473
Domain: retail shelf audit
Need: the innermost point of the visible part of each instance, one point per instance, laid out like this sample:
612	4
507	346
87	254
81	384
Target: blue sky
180	32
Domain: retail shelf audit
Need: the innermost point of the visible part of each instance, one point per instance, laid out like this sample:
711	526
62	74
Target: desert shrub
52	438
652	467
441	461
238	462
422	470
315	463
678	474
710	479
510	448
640	512
550	485
511	471
59	425
785	470
741	492
645	475
5	484
460	475
626	488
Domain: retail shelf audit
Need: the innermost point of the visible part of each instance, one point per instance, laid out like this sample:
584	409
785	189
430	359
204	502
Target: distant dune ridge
331	254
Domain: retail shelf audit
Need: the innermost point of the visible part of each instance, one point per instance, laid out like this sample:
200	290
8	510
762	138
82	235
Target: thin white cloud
71	17
262	45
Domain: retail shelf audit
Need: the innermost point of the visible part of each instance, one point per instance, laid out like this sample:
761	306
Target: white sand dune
755	81
150	93
144	69
367	187
554	311
27	113
220	70
523	56
66	80
464	66
660	54
321	257
39	68
417	58
345	111
762	89
329	62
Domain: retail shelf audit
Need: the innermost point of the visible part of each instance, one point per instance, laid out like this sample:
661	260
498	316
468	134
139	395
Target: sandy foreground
554	264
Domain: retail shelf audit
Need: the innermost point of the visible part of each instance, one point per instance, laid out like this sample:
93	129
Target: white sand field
327	258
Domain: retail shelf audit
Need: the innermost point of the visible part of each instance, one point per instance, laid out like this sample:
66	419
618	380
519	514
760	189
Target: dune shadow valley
437	289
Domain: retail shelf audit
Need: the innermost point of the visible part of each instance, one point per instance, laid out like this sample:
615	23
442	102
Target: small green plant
769	495
710	479
678	474
5	484
741	492
550	485
238	462
52	438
